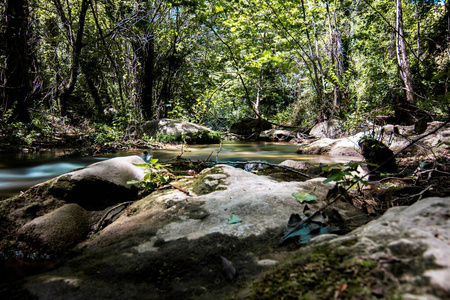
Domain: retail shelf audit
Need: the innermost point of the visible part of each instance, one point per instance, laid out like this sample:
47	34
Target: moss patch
320	273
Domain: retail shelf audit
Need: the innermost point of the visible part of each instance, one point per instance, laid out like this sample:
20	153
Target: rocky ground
228	233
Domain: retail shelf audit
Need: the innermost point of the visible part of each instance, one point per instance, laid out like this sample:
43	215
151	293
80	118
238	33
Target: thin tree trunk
418	31
319	87
405	72
147	88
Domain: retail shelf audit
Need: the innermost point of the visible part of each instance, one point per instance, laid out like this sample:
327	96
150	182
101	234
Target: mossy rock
209	181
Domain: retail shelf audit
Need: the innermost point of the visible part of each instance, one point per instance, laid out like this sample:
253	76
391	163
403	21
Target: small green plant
154	177
346	174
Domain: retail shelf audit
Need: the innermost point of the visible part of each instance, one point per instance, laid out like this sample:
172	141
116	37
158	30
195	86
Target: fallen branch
175	187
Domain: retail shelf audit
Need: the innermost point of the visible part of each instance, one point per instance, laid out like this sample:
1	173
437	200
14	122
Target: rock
302	166
344	146
395	137
262	204
276	135
179	130
398	137
404	252
57	231
375	152
169	244
250	127
101	184
327	129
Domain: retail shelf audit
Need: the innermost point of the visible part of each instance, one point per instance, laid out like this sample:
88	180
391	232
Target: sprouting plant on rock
155	176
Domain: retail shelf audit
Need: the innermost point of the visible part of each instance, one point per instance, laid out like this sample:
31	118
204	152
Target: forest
105	66
103	221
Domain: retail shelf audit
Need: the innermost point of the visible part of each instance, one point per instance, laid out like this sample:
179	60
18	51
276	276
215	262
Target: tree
402	55
17	83
76	43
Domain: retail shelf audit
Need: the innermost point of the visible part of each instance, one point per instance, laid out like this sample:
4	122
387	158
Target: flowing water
20	171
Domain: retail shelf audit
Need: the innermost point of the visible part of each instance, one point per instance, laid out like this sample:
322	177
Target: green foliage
107	134
227	60
154	177
346	174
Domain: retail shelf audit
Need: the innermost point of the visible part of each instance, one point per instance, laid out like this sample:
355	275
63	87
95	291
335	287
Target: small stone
267	262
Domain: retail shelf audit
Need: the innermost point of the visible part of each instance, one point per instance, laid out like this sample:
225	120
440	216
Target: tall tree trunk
405	72
334	62
17	86
318	85
77	46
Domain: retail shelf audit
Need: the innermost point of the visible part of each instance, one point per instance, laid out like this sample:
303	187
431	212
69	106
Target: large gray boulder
101	184
179	130
261	203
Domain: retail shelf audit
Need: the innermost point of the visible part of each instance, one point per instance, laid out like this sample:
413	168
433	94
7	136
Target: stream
20	171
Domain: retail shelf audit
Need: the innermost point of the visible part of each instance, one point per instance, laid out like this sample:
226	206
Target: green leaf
335	175
141	165
133	181
304	197
234	219
153	161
